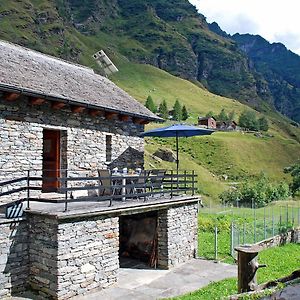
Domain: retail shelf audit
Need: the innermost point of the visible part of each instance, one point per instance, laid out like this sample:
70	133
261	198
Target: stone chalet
208	122
61	119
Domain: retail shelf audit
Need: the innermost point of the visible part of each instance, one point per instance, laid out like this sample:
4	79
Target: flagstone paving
142	283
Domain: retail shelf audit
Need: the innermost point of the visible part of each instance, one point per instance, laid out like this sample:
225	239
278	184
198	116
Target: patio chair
106	187
140	183
156	179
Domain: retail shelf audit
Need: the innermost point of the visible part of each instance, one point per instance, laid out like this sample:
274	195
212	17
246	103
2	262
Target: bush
294	170
260	193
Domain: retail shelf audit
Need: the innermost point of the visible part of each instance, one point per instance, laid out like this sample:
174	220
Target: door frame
55	136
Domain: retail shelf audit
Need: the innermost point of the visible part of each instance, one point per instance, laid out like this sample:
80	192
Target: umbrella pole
177	158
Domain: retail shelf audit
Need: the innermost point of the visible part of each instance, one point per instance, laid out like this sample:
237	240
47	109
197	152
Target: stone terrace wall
43	249
14	259
69	259
177	235
83	140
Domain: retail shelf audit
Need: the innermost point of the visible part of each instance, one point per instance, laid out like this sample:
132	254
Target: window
108	147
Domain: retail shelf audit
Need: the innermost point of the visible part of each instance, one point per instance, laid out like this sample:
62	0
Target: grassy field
276	268
232	154
250	226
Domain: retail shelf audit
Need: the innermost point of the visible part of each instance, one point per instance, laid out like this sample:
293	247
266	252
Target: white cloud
276	21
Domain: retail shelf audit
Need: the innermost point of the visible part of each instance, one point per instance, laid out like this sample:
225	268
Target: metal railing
112	188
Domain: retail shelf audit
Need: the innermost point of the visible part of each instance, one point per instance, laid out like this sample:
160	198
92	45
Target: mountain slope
280	67
168	36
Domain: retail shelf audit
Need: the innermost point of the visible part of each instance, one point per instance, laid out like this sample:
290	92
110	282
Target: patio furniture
107	186
156	179
140	183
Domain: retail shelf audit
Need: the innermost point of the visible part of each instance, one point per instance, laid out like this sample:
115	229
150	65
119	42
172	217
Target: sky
274	20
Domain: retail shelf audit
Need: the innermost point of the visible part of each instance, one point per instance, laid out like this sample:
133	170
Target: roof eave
30	93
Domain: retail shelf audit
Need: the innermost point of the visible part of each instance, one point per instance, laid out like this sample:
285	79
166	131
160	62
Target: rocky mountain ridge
170	35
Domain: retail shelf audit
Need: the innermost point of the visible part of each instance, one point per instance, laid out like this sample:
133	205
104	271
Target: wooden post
247	267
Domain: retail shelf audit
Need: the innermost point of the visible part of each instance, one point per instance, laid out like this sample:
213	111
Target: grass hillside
235	154
44	25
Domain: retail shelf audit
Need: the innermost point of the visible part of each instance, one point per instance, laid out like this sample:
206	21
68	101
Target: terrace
80	192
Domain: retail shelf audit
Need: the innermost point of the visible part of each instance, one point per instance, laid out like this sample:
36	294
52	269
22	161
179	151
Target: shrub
259	193
248	120
294	170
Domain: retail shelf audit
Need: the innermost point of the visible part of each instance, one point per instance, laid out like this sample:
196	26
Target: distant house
226	126
208	122
231	125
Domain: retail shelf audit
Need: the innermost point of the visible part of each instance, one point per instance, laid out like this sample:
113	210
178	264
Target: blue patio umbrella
178	130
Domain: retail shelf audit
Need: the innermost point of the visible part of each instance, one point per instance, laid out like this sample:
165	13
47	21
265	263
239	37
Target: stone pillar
14	261
177	235
70	258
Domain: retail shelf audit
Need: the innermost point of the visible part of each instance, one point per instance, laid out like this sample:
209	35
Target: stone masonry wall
83	140
177	235
14	259
72	258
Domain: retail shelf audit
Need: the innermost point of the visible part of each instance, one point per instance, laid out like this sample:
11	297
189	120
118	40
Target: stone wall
72	258
292	236
83	140
177	235
14	259
61	258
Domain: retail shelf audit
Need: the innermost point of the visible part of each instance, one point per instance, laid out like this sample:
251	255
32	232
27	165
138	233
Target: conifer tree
177	112
163	110
150	104
184	113
222	116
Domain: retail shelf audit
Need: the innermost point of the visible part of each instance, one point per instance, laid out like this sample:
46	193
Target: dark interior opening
138	240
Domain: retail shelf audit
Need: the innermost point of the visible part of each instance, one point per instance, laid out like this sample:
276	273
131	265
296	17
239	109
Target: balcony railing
73	187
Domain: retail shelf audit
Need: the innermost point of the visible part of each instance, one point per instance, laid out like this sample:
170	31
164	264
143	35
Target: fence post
287	215
171	184
265	232
185	181
66	192
28	188
231	240
216	242
193	183
254	223
273	229
244	233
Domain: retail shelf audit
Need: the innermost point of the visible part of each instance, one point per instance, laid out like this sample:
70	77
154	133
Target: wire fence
222	228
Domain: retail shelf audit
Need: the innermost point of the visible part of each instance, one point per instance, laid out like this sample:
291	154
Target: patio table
124	177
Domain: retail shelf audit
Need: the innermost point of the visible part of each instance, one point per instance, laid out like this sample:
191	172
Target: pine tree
184	113
150	104
163	110
222	116
231	115
177	113
209	114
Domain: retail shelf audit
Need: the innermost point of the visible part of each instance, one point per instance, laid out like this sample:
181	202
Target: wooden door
51	160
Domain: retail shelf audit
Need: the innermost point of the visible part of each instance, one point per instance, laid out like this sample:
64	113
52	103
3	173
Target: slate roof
37	74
